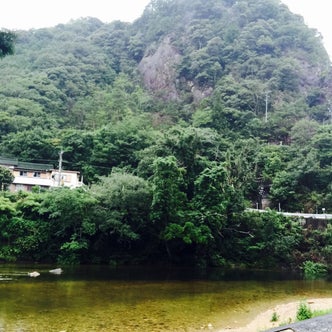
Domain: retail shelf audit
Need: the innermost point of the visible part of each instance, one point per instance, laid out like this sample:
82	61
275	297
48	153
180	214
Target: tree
192	148
264	238
117	145
322	141
210	206
31	145
169	200
122	214
6	178
70	213
7	215
7	39
77	146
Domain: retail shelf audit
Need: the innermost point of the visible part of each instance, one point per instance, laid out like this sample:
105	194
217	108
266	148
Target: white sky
27	14
317	15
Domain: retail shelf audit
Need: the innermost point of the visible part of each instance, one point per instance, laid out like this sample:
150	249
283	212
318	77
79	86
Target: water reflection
101	298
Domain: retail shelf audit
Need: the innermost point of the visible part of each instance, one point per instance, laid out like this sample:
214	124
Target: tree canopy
7	39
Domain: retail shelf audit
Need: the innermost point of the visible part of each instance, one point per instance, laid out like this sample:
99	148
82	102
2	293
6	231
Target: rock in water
56	271
33	274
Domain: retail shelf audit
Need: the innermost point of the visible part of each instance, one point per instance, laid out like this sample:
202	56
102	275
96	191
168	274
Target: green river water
101	298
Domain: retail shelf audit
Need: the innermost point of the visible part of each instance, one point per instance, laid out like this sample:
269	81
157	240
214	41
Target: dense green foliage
314	270
177	122
124	218
6	178
7	39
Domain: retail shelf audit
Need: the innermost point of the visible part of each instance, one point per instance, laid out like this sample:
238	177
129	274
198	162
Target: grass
317	313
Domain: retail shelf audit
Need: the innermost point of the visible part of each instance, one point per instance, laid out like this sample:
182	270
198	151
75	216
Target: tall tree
7	39
70	213
122	214
169	201
6	178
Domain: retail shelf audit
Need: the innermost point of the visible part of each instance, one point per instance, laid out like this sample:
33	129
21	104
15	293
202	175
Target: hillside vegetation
177	122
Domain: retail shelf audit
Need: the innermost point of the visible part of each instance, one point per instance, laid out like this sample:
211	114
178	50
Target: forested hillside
177	121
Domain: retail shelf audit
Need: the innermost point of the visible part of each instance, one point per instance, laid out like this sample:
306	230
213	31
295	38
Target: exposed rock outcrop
159	70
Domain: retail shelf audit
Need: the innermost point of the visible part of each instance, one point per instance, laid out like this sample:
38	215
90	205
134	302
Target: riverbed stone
317	324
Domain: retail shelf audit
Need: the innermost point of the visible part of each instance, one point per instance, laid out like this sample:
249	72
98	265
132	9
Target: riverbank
286	314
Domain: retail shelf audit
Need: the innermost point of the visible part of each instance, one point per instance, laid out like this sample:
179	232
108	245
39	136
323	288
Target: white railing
297	214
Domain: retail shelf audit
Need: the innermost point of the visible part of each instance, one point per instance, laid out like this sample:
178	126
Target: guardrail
296	214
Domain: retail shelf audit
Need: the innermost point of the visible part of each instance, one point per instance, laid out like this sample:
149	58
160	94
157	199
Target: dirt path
286	314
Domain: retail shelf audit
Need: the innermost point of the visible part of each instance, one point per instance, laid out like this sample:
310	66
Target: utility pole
60	167
266	103
329	108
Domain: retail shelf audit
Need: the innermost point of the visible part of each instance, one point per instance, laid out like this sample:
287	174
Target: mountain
246	69
180	52
206	42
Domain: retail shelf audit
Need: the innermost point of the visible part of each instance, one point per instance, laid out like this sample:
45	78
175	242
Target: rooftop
24	165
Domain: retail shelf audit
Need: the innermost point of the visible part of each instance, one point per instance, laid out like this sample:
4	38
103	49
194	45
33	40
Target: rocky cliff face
159	74
158	70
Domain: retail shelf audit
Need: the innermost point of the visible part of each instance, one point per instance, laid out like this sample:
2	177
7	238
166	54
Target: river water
102	298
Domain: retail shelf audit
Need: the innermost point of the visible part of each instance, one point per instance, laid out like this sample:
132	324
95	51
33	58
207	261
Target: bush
275	317
314	270
303	312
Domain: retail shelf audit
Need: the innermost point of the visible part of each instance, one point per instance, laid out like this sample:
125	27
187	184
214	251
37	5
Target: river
156	299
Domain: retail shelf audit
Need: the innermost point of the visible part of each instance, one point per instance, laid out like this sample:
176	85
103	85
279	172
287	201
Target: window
23	173
36	174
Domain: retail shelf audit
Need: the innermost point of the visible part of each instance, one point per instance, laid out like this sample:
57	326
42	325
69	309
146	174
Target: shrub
275	317
314	270
303	312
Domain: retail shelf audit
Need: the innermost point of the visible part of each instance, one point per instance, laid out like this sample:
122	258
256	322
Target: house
66	178
28	175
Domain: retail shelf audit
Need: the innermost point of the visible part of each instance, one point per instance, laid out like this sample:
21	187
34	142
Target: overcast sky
27	14
317	15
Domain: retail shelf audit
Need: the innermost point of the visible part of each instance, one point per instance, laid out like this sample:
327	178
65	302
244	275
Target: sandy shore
286	314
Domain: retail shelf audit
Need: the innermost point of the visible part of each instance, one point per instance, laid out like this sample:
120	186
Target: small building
71	179
28	175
